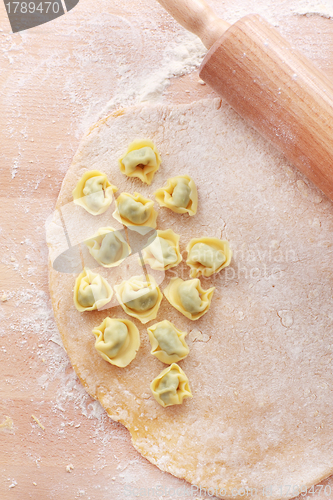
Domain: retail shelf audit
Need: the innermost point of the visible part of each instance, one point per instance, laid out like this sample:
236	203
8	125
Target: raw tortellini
94	192
108	247
171	386
141	160
188	297
180	195
91	291
135	211
207	256
163	253
117	341
167	342
139	298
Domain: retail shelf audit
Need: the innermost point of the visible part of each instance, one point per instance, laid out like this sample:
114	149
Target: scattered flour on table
164	54
274	12
185	53
15	167
181	53
40	338
321	7
179	58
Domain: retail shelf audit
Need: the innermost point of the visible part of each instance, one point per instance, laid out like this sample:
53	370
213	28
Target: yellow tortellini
207	256
139	298
163	252
188	297
94	192
171	386
167	342
141	160
180	195
117	341
135	211
108	247
91	291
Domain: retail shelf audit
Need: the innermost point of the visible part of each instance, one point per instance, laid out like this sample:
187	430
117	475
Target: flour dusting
274	12
184	53
101	56
322	8
179	58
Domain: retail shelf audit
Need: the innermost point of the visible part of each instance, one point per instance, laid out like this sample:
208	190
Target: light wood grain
46	106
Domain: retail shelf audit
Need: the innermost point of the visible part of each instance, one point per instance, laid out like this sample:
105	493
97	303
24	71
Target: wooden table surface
55	81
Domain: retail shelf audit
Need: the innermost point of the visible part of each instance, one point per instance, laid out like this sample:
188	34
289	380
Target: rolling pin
271	85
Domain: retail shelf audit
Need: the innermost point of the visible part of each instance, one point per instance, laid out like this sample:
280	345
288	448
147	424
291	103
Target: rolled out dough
260	369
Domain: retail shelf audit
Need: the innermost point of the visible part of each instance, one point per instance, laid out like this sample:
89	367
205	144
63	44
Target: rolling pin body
270	84
279	92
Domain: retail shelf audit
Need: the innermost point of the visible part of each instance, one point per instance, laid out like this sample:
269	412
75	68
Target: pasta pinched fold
188	297
91	291
108	247
171	386
139	298
167	342
94	192
163	252
135	211
141	160
180	195
117	341
207	256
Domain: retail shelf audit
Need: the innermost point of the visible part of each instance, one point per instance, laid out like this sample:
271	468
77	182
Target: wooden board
54	82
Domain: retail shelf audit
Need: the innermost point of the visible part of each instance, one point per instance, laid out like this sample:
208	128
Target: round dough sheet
260	361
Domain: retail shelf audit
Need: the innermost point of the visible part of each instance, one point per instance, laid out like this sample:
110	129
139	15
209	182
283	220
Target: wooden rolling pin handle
196	16
279	92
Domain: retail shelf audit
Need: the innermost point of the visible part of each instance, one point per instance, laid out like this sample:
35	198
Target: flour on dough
262	406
